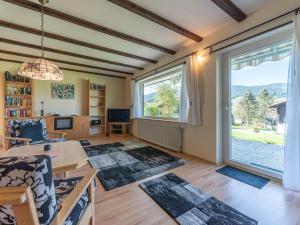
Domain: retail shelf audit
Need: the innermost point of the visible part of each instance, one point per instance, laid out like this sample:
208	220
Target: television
118	115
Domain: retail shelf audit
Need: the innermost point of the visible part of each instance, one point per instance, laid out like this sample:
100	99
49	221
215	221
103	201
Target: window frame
158	75
271	38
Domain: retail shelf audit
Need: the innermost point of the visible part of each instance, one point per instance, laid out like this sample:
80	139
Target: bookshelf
18	96
96	108
16	99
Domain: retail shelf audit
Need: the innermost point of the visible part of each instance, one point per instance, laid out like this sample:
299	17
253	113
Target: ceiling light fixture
202	56
40	68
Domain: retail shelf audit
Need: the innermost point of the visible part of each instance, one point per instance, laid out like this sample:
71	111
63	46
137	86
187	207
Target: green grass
262	136
244	127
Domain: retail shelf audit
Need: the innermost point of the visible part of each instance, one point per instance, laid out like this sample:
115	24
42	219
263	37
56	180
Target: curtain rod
226	39
250	37
252	28
144	75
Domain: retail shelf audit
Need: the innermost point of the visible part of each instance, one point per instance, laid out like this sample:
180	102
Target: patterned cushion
33	171
14	128
63	188
32	131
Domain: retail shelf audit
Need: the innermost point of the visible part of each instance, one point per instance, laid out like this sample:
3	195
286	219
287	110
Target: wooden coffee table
70	155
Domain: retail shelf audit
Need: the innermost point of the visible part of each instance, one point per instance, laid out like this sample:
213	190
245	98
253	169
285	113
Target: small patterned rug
188	205
123	163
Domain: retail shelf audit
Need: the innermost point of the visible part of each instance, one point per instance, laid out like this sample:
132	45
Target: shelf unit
96	107
18	97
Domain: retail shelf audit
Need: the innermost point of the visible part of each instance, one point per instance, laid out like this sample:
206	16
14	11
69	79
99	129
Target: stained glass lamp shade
40	69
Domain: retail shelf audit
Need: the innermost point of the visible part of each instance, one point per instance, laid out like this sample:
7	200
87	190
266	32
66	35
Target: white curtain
137	105
193	73
291	177
132	94
184	103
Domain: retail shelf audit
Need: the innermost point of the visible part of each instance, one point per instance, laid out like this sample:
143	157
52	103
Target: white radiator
165	134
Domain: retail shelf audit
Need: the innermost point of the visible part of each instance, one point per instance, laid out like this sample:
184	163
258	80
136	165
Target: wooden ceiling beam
84	23
63	61
231	9
145	13
13	42
63	68
72	41
95	73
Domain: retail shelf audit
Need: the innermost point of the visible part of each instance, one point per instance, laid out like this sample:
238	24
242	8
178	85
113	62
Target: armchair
30	196
29	131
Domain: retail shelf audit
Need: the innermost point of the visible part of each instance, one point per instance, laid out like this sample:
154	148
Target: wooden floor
129	205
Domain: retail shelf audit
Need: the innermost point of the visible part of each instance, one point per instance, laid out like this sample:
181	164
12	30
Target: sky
149	89
265	73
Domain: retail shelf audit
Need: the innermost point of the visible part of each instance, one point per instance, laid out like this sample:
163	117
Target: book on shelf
96	87
17	101
16	78
17	113
18	91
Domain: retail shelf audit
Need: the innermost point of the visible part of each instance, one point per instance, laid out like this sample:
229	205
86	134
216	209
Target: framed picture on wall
62	91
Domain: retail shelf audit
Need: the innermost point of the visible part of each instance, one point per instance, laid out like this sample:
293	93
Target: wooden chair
30	196
13	137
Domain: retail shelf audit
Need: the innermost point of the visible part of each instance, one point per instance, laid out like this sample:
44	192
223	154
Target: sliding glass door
255	105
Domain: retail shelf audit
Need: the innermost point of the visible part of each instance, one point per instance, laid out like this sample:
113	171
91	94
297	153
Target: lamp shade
40	69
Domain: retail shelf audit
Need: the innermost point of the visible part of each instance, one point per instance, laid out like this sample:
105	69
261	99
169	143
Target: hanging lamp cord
42	30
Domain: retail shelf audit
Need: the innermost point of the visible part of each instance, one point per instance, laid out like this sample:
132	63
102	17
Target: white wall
206	141
116	90
42	91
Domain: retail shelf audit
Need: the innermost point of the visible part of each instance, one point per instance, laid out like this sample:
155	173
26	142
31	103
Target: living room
149	112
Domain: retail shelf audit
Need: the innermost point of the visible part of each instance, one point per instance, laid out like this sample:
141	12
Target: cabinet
80	127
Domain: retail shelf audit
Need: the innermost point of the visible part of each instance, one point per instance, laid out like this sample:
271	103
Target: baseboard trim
203	159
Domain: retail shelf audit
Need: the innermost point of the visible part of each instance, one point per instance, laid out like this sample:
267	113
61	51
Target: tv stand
121	128
79	129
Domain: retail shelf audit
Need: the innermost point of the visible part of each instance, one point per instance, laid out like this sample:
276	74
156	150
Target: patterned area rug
84	142
189	205
123	163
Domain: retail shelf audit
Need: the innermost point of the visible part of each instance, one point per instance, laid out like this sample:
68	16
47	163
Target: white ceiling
199	16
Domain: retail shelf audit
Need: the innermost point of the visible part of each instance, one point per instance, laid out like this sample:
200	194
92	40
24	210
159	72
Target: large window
161	94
